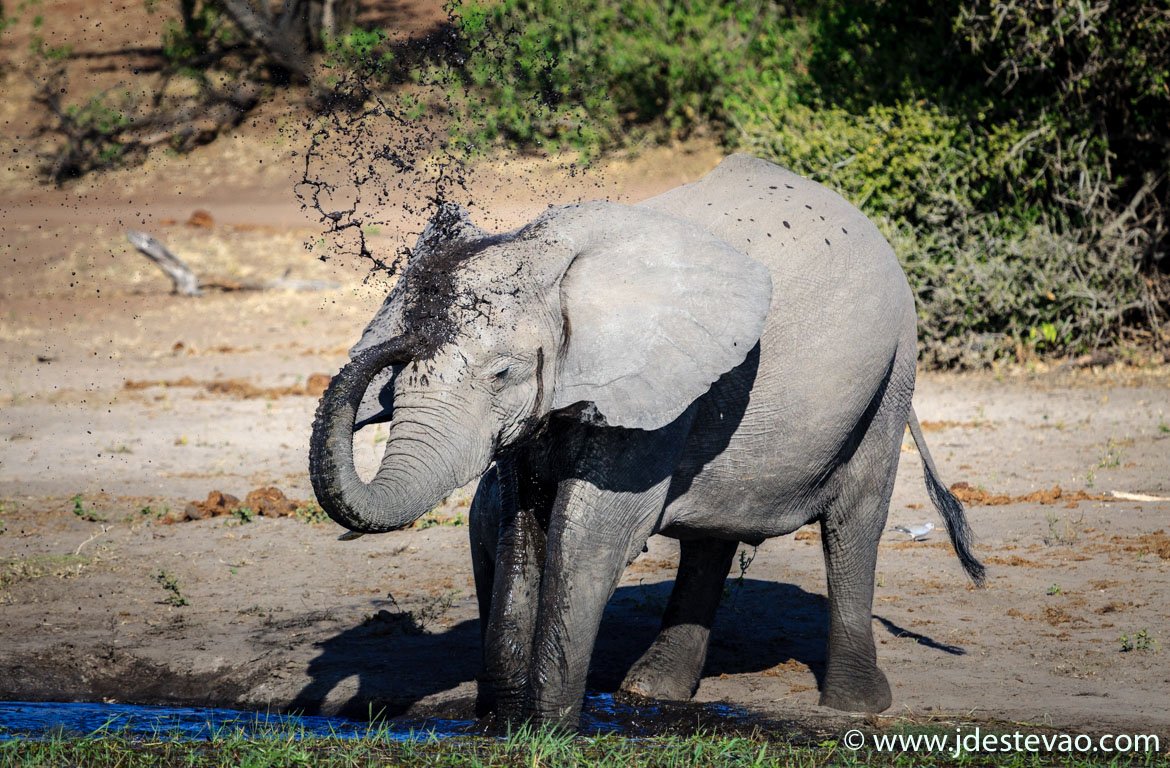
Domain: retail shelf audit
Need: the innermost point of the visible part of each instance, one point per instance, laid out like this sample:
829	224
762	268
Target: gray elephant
723	363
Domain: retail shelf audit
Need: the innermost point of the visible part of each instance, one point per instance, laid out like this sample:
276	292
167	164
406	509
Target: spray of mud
381	159
372	168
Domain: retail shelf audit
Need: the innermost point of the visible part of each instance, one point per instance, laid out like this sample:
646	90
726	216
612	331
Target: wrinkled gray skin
723	363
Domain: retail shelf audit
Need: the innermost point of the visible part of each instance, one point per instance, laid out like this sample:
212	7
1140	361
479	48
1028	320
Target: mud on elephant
724	363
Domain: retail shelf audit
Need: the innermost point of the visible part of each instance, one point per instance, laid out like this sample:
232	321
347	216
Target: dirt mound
1157	543
944	424
268	501
271	502
201	219
217	504
969	494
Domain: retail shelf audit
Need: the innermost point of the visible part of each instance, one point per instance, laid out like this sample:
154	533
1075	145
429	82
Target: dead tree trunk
328	20
299	28
186	283
275	34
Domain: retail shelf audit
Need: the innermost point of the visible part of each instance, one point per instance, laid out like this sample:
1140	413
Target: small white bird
916	532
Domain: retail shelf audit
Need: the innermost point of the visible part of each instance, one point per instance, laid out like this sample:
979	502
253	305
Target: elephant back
795	226
819	249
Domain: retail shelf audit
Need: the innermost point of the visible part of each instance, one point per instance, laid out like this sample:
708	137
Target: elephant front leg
484	529
511	621
670	669
591	538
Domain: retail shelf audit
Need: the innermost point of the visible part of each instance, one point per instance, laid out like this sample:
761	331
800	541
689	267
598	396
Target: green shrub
595	74
363	51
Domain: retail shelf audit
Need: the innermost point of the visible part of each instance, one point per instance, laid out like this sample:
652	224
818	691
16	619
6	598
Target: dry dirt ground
122	403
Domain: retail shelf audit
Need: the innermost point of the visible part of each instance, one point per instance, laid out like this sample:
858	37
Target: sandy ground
122	403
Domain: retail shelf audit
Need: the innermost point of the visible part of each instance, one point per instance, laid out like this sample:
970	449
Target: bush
596	74
365	52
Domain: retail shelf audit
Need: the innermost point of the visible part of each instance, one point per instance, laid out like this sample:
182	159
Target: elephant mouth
377	404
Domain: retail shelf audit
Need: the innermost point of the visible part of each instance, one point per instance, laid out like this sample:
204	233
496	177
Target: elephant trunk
422	464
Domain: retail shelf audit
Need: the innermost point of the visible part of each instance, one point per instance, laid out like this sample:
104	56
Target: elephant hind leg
851	528
670	669
852	680
508	592
484	530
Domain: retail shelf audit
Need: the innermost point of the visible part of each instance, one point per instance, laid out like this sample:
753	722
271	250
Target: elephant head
600	310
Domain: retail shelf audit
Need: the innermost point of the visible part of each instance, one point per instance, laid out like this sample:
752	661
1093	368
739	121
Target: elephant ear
655	311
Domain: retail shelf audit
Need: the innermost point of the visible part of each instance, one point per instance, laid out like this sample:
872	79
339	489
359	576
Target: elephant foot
556	719
506	703
668	670
658	688
855	691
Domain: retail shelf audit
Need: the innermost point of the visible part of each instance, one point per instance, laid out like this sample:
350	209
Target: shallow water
38	719
602	714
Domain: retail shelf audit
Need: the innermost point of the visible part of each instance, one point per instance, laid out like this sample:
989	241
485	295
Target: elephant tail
948	506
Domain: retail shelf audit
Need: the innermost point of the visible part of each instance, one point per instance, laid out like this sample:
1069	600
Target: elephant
723	363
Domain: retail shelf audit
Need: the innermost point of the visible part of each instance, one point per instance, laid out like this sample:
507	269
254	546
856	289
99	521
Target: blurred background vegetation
1015	153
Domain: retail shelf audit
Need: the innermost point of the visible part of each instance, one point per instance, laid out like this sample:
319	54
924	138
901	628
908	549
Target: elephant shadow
386	669
759	624
382	669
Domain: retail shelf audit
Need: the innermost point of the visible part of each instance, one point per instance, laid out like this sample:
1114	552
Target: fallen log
187	283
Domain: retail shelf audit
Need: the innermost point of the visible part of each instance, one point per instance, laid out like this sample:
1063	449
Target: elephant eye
500	369
505	369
